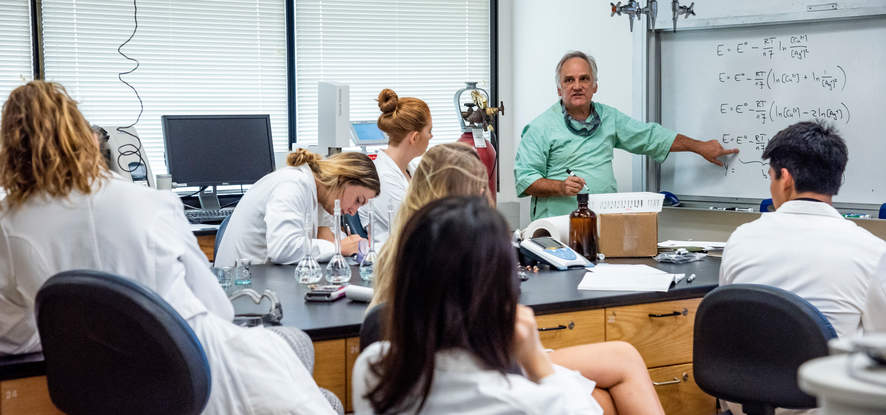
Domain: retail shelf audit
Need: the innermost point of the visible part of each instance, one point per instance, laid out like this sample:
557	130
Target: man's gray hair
576	54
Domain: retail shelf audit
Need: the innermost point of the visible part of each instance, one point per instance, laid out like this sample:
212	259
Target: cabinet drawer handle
673	381
559	327
671	314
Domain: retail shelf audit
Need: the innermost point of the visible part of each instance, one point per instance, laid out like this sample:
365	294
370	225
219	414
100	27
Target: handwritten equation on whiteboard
794	46
835	78
771	88
742	85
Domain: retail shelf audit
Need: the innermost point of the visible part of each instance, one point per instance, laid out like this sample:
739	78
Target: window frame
37	58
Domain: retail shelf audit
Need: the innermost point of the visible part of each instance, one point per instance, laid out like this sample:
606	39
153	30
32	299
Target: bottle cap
582	198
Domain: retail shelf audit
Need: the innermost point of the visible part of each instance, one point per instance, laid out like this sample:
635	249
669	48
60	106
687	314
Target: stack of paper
627	277
706	245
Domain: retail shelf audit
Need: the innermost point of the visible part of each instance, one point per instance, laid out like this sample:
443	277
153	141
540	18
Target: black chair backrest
219	233
370	330
749	341
114	346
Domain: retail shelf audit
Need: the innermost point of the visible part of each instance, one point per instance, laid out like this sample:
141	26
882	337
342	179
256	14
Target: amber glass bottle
583	230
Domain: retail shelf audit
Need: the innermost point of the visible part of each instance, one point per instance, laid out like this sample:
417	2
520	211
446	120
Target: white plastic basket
634	202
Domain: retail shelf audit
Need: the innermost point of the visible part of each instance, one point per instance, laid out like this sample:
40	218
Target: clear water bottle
338	271
308	270
369	260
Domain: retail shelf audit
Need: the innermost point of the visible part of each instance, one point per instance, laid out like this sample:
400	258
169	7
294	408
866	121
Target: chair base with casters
748	342
114	346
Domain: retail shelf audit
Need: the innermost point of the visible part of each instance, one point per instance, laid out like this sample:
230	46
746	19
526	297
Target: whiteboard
742	85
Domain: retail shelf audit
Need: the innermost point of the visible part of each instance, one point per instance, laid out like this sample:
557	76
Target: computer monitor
210	150
367	133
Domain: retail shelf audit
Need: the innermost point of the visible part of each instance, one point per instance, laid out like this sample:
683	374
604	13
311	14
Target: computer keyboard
208	215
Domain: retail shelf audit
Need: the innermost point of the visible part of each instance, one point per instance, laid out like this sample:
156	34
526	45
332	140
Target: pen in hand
345	227
572	174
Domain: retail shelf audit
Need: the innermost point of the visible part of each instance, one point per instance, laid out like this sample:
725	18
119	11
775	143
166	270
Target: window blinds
423	49
195	57
15	46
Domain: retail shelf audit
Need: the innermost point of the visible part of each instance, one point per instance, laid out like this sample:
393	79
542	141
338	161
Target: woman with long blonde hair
64	211
269	222
451	169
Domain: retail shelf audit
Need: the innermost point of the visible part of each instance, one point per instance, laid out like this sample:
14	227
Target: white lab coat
268	224
808	248
393	189
142	234
462	385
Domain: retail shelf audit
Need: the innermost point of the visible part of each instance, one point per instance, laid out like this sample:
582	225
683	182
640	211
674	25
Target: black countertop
338	319
556	291
546	292
22	366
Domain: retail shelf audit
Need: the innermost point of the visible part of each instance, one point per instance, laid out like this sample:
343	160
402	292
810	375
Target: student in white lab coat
64	211
407	122
271	220
806	246
454	169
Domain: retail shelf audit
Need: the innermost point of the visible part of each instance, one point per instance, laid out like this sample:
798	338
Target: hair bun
302	156
388	100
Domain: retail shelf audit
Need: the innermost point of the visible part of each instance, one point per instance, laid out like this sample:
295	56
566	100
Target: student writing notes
269	223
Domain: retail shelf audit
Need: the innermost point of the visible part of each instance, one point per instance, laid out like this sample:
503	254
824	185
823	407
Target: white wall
533	35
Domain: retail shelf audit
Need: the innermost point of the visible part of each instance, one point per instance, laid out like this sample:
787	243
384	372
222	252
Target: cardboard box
628	234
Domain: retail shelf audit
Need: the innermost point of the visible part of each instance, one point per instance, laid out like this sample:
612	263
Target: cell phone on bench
325	293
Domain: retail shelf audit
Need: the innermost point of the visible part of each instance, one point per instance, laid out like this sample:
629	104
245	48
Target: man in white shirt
806	246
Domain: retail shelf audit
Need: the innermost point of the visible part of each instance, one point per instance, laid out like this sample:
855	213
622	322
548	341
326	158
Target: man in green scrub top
579	134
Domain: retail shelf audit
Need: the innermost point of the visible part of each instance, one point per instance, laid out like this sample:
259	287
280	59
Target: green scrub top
548	148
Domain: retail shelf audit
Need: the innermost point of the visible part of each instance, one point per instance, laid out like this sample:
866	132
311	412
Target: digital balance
554	252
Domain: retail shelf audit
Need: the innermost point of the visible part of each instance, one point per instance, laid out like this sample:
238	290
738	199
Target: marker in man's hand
586	189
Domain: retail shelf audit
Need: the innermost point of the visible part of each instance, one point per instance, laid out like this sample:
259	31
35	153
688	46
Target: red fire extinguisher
475	119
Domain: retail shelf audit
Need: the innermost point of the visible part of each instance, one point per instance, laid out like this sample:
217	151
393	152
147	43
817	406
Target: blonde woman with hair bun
407	122
269	222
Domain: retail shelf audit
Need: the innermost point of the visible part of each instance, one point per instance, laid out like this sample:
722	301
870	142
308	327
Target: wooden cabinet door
570	329
678	392
207	245
329	367
353	350
26	396
661	332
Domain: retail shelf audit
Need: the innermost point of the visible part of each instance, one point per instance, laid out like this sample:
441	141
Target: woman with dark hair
456	331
